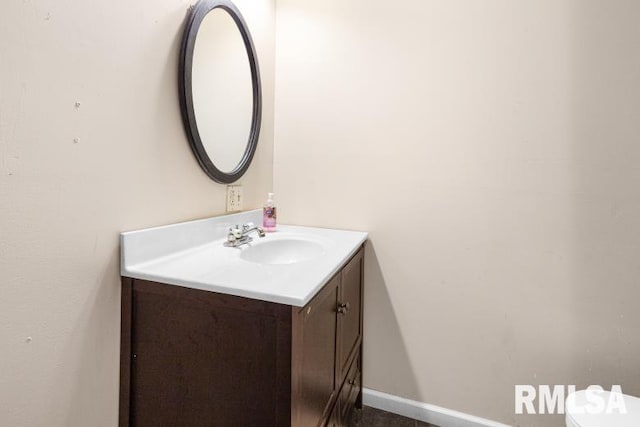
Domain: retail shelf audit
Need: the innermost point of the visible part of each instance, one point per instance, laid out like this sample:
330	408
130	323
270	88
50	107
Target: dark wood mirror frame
196	15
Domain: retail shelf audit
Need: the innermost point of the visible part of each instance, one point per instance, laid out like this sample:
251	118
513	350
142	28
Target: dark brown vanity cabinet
198	358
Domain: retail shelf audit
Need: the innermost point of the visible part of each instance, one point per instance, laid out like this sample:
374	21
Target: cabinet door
314	359
201	359
349	313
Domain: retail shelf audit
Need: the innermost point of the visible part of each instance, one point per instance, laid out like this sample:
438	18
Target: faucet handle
235	231
247	226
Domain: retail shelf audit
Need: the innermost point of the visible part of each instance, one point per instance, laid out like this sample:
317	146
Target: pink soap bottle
269	215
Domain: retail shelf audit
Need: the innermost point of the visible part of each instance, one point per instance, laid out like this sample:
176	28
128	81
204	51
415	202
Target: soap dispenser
269	215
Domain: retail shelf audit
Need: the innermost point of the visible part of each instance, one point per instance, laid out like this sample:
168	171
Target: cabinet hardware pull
343	307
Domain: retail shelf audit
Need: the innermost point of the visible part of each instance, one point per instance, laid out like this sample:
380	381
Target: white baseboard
441	417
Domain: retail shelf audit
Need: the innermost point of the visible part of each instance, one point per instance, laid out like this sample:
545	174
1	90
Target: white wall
491	149
62	204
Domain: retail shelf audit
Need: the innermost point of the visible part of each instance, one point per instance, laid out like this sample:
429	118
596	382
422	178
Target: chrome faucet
238	235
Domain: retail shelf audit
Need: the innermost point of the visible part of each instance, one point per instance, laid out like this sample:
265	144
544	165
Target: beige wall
491	149
62	204
508	254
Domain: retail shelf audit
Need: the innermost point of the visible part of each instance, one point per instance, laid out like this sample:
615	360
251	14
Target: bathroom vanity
267	334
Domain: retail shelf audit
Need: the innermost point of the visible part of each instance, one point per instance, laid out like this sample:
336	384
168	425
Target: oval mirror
220	93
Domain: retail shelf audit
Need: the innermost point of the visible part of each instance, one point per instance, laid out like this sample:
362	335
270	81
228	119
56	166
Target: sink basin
282	251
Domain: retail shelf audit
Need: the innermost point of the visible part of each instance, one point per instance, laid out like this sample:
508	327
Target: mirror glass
220	93
222	89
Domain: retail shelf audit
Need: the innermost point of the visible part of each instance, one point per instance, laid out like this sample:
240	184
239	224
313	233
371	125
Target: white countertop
192	255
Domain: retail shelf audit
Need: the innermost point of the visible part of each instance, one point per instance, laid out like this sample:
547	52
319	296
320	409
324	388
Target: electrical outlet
234	198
